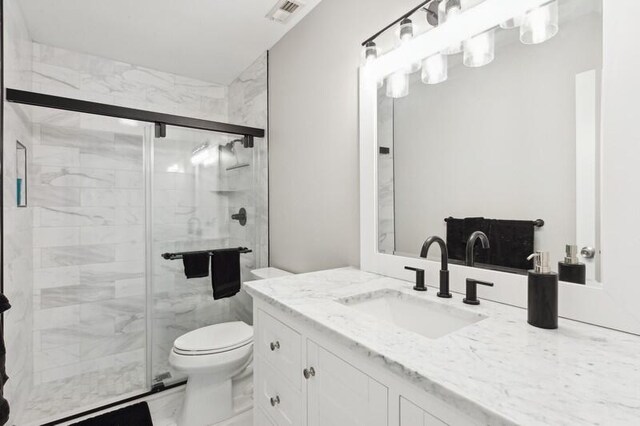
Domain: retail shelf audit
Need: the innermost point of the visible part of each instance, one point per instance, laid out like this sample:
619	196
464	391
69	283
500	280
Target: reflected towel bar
538	223
174	256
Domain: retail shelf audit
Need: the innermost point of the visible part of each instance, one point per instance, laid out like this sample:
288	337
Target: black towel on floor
4	404
225	273
196	265
137	414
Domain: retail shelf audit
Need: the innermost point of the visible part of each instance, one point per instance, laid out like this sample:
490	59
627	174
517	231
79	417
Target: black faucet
471	242
444	262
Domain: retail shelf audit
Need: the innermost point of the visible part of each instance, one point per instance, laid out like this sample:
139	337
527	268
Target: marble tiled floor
85	391
58	399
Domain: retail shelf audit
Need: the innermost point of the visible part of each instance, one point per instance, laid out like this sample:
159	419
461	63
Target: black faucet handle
419	278
472	291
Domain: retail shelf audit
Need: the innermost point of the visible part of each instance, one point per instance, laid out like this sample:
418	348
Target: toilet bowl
210	357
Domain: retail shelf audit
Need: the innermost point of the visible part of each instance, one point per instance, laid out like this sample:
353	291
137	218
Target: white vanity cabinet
303	378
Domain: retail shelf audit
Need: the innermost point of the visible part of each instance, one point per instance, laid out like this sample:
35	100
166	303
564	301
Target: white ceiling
211	40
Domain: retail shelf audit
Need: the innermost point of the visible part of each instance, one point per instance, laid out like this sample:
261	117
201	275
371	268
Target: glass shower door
200	180
75	261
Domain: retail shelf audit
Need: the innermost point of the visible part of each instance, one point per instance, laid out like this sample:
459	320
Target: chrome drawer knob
274	400
309	372
274	345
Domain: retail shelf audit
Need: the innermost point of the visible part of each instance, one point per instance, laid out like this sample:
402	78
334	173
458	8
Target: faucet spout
444	263
444	253
471	242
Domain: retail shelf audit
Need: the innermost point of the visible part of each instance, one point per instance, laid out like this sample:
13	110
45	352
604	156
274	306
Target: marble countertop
499	370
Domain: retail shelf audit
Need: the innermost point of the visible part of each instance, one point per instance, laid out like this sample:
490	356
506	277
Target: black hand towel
196	265
225	273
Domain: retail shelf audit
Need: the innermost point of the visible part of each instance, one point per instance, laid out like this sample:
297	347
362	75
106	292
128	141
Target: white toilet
210	357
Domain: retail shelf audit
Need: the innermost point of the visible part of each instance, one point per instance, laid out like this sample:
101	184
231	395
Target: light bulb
512	23
540	24
406	29
479	50
434	69
449	10
370	52
406	33
398	84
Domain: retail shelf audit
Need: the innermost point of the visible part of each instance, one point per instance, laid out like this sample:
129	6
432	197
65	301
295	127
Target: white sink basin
424	317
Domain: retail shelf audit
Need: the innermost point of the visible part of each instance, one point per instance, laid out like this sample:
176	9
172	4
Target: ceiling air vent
284	9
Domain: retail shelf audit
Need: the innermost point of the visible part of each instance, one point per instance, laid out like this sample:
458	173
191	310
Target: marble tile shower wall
18	267
248	105
191	211
72	74
88	235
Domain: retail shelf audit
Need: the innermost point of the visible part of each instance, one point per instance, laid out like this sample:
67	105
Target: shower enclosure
108	190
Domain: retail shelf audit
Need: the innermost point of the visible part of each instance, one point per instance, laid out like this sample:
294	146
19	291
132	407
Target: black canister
571	270
542	300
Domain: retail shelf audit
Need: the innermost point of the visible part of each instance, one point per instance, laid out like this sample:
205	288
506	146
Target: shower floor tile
62	397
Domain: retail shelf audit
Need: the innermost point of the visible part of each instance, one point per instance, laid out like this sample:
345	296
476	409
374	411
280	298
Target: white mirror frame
615	304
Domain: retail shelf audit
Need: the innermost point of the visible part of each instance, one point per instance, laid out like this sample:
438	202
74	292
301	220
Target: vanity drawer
277	397
281	346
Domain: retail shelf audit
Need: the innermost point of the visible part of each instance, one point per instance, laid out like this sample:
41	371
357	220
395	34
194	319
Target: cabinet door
340	394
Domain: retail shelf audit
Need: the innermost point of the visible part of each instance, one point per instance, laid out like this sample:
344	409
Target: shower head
229	148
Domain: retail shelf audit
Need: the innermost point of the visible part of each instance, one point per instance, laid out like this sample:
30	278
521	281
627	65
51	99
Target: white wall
497	141
313	181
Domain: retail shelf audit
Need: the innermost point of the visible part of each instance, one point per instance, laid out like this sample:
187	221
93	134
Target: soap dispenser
571	270
542	298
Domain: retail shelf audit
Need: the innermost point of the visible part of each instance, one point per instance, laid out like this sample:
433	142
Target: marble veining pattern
74	268
500	370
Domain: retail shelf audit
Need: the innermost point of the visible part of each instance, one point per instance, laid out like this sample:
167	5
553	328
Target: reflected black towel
137	414
511	243
225	273
4	404
458	231
196	265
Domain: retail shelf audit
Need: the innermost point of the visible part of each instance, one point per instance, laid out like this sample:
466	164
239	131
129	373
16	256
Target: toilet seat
214	339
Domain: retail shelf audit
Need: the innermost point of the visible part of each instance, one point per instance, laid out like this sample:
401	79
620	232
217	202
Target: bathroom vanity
347	347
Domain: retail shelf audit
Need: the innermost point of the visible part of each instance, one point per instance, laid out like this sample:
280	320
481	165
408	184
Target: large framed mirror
534	148
510	149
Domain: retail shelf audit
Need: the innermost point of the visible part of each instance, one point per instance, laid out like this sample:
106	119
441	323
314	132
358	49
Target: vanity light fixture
434	69
370	52
406	29
480	50
449	10
540	24
405	34
398	84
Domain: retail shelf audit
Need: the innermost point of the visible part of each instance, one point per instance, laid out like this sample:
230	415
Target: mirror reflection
516	139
